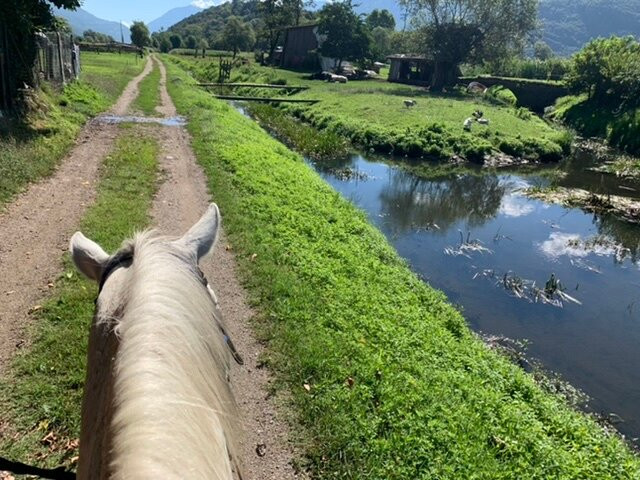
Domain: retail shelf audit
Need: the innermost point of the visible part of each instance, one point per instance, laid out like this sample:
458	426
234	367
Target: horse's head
157	396
111	272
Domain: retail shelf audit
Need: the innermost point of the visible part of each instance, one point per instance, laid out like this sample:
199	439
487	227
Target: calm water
596	345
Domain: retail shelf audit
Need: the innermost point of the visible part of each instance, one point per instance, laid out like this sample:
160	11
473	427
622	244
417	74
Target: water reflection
593	342
411	202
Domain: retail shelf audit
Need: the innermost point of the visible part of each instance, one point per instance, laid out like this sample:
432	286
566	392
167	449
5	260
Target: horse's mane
173	406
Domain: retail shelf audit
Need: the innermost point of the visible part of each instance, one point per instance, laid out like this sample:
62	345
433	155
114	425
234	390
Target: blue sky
129	10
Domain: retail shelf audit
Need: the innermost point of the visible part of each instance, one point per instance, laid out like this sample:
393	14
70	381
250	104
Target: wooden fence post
60	60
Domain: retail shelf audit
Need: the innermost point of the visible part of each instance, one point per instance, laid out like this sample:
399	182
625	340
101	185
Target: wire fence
57	61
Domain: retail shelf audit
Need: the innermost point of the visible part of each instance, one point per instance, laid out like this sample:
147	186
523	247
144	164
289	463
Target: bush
502	95
608	71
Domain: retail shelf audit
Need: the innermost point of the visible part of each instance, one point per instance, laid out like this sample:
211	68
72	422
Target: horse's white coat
157	402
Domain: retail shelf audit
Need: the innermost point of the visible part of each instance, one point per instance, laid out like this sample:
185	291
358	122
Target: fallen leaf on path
307	387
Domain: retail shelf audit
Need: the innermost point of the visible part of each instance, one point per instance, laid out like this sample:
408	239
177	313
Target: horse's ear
201	238
88	256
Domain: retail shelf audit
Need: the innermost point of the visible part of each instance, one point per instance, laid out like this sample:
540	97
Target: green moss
42	393
398	387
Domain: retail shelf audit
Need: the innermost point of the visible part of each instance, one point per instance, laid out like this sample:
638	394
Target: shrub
502	95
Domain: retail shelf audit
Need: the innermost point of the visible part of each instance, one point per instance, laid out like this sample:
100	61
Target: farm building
414	69
300	49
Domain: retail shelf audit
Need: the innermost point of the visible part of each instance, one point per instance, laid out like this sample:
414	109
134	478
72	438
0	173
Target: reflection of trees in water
623	233
409	202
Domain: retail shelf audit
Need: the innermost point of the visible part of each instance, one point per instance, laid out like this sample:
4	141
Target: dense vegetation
386	378
605	75
32	146
42	394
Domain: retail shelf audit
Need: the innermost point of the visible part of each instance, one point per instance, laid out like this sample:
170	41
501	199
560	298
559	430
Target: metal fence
57	60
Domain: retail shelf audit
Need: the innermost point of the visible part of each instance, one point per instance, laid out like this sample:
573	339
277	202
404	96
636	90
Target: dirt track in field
180	201
35	228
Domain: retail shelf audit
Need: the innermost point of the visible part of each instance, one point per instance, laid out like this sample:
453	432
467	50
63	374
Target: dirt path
35	228
180	201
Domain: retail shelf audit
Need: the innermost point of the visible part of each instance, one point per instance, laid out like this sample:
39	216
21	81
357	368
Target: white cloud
516	206
572	245
204	3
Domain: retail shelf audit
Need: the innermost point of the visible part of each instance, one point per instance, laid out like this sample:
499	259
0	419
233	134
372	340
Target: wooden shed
300	47
413	69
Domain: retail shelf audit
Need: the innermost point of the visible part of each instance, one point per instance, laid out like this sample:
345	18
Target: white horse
157	402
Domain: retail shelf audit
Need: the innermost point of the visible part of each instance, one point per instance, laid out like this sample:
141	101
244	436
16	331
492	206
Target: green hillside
567	26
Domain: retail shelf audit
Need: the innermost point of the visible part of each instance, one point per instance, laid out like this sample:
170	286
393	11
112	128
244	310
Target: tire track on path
35	228
180	201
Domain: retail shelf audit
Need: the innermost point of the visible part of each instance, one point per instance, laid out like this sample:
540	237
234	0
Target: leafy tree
237	35
457	31
203	45
164	44
347	37
61	24
542	51
381	43
90	36
275	16
21	19
295	8
140	34
381	18
192	42
176	40
608	70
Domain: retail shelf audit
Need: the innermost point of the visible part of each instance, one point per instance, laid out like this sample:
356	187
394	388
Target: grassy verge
31	148
372	114
387	380
41	396
621	129
149	97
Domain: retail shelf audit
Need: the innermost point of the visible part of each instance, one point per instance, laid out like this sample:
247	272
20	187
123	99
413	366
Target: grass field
31	148
386	379
149	96
42	394
372	114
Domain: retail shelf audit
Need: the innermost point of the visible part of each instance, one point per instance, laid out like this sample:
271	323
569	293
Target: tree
542	51
237	35
608	70
203	44
295	8
61	24
176	40
381	43
140	35
21	19
458	31
164	44
381	18
90	36
275	16
192	42
346	35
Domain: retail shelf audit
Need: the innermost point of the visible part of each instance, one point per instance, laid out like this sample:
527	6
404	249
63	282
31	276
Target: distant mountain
172	17
208	23
568	25
81	20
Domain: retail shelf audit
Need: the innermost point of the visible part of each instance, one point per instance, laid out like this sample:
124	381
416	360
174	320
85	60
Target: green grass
109	73
149	97
372	114
32	147
42	393
386	379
